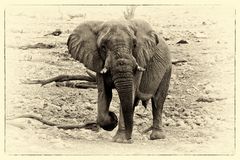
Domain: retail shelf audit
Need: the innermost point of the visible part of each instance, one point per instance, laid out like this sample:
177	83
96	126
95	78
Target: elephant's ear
146	41
82	45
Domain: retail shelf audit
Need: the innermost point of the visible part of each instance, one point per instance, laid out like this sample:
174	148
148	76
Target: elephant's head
120	47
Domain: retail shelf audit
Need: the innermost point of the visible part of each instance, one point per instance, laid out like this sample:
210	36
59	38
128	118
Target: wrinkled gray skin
128	56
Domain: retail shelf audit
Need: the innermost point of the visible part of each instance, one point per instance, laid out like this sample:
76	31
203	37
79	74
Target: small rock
167	114
93	101
170	122
180	124
188	121
212	117
176	105
219	118
44	104
188	91
166	38
186	113
175	113
169	97
171	108
57	108
87	104
207	91
204	23
182	42
89	108
181	110
205	99
198	122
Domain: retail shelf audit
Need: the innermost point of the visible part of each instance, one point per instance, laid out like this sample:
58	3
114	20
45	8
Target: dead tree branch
61	78
90	125
83	85
92	75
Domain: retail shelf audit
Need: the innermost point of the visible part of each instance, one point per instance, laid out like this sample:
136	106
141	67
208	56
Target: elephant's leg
107	120
120	135
157	107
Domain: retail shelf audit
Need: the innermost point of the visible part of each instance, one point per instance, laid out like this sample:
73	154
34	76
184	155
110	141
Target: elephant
129	56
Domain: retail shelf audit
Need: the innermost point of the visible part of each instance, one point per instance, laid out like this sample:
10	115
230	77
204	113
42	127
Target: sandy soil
199	110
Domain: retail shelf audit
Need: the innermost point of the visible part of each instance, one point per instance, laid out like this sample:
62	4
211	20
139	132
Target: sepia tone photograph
120	80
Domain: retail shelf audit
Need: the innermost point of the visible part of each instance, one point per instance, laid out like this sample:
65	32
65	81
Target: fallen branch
92	75
61	78
83	85
90	125
38	45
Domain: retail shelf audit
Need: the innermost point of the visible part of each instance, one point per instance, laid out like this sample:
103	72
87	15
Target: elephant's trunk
124	85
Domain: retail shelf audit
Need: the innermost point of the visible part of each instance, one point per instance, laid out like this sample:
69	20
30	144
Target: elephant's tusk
104	70
141	69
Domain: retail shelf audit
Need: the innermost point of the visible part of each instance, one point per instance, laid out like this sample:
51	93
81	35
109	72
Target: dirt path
199	110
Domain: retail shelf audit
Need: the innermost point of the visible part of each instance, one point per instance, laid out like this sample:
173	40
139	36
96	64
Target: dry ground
192	125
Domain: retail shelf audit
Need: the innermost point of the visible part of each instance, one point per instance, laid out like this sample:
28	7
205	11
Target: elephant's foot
108	123
157	134
121	138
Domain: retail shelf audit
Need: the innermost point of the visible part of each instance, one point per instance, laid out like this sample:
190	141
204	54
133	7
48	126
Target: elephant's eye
103	48
134	43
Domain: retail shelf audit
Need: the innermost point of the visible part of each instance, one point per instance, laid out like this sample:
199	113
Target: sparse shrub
129	12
